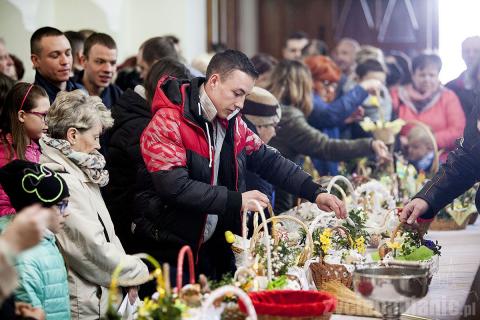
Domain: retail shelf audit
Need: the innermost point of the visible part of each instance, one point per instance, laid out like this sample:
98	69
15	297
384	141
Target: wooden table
455	290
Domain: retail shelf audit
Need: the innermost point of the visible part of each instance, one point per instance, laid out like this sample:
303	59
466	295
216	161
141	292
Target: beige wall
129	22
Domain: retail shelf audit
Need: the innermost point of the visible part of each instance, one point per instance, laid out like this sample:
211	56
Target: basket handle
345	232
220	292
244	236
350	188
255	216
394	234
436	161
307	251
400	225
191	269
155	274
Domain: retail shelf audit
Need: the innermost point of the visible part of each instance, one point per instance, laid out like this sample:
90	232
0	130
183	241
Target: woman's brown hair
9	123
291	83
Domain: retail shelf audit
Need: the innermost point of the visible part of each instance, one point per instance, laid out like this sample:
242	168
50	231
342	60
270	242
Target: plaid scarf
92	164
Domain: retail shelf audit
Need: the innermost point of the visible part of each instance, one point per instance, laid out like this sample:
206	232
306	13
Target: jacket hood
178	94
130	106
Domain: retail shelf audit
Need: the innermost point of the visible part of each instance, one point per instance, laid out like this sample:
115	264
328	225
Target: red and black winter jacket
175	148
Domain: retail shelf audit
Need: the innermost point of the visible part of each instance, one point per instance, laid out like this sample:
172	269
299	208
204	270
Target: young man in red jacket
197	150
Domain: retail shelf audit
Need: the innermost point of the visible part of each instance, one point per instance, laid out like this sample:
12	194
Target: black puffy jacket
131	115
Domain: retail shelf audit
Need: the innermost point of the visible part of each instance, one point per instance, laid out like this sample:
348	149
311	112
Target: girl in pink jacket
22	122
427	101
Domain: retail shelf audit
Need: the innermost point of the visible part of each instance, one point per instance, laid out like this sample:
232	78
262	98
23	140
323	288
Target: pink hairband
25	96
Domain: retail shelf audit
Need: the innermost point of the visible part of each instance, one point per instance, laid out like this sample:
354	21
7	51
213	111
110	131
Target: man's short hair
41	33
297	35
98	38
228	61
157	48
76	40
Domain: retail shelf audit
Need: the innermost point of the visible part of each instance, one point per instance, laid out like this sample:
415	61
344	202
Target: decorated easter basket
431	263
163	305
211	311
295	271
323	272
293	305
456	215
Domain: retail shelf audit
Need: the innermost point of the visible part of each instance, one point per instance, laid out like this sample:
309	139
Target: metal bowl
392	289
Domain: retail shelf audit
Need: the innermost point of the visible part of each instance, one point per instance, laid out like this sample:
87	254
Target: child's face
34	120
58	216
417	150
378	75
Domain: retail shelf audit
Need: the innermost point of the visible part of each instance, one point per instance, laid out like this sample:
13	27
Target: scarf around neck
92	164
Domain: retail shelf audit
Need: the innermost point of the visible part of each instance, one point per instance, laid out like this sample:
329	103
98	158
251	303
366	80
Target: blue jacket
109	95
51	89
43	279
328	115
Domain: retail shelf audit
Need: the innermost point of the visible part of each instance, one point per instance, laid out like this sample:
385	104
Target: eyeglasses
273	124
62	206
42	115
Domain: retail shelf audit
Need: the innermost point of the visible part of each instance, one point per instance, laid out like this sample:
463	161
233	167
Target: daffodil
394	245
360	244
326	239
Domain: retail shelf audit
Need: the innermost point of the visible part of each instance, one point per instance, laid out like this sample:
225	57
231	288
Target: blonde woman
291	84
88	242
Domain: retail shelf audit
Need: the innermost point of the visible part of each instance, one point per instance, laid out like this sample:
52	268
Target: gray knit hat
261	107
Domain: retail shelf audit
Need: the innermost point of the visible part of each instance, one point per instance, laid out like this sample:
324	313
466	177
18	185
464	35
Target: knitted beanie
261	107
27	183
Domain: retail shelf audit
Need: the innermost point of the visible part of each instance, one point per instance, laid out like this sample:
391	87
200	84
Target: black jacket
175	149
459	173
131	115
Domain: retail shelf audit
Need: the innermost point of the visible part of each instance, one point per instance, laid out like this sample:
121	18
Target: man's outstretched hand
254	195
328	202
413	210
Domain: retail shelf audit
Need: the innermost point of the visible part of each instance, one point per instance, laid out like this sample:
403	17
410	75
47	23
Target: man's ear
83	60
35	60
214	80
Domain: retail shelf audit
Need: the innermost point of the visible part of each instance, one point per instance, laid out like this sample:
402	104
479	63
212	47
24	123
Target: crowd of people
99	161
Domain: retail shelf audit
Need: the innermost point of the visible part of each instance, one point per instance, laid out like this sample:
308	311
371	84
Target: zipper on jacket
211	183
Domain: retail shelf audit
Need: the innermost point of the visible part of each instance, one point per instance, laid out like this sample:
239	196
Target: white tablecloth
452	285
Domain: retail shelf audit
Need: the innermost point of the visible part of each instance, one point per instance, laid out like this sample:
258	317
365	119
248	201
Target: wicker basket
448	223
243	255
473	218
431	265
245	303
297	305
323	272
307	250
348	302
441	224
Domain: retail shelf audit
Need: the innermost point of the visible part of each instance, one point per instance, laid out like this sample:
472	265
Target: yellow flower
367	124
394	245
325	239
374	101
360	245
229	236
